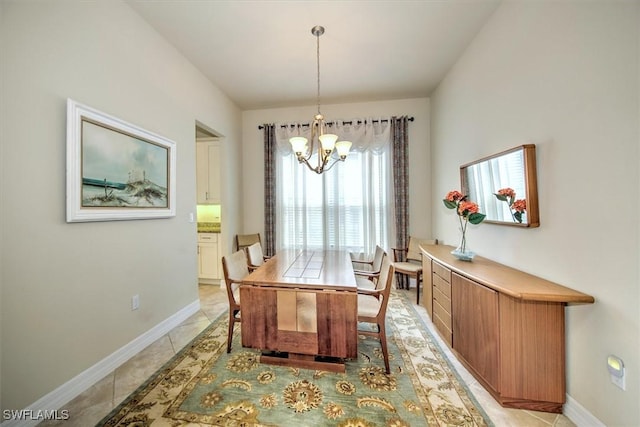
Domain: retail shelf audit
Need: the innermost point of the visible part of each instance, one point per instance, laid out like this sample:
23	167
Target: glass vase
462	252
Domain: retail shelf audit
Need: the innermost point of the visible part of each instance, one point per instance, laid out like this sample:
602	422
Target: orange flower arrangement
468	212
516	207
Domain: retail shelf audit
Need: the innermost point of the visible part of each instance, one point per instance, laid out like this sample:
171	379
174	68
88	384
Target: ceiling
262	54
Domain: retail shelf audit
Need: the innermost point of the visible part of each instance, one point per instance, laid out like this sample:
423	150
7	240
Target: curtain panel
400	141
269	244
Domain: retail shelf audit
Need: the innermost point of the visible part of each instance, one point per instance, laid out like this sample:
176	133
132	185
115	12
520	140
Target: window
349	207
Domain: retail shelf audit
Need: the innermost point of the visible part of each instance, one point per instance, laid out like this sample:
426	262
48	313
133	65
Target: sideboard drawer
442	299
442	286
443	314
441	324
442	271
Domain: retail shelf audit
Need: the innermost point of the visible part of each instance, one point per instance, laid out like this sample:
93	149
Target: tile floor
92	405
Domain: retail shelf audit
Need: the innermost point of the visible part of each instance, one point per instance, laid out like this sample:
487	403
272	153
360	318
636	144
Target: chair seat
409	267
368	306
365	283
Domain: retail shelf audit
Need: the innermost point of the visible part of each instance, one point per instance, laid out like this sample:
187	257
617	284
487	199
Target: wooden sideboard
504	325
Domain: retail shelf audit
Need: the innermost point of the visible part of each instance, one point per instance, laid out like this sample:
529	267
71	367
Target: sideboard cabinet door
475	327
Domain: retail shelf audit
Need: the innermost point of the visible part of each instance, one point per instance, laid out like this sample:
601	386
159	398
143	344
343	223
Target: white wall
564	76
66	288
419	152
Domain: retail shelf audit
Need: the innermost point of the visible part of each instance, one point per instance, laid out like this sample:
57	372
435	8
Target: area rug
203	385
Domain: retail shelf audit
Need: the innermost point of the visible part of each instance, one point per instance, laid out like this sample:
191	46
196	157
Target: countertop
209	227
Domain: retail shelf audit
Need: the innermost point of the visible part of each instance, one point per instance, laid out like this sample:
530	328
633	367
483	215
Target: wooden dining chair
368	267
372	307
255	256
235	269
408	264
367	273
246	240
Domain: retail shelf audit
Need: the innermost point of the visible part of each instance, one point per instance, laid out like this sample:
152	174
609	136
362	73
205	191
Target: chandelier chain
318	67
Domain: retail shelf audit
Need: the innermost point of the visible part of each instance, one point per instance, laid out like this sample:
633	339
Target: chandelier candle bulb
298	144
328	141
343	147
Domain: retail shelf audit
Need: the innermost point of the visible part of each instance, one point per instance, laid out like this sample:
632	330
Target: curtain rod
331	123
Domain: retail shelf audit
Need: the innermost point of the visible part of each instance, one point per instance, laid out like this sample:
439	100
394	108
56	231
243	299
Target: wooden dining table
301	309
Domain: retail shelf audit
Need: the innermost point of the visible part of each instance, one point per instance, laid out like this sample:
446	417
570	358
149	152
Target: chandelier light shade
330	150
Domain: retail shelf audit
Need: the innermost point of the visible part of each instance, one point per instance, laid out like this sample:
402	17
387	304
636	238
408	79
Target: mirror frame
530	179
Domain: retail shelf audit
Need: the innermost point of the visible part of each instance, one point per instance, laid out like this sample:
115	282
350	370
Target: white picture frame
116	170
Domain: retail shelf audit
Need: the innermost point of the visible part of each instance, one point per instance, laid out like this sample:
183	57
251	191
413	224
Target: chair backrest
413	252
255	256
246	240
385	282
235	269
381	281
377	258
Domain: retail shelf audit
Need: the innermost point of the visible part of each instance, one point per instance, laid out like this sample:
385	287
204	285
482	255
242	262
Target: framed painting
115	170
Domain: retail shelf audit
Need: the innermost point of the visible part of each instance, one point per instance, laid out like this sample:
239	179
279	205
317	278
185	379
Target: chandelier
325	142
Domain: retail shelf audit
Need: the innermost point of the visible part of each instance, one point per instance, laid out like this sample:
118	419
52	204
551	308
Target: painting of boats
119	170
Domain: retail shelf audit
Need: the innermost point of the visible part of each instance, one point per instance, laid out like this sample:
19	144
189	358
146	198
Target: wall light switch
135	302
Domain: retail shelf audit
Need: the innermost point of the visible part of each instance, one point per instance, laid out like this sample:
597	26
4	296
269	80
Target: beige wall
66	288
564	76
419	151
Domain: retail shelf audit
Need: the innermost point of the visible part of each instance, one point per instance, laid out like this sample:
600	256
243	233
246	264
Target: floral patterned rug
203	385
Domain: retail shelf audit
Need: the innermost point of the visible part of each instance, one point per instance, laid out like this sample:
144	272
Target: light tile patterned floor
96	402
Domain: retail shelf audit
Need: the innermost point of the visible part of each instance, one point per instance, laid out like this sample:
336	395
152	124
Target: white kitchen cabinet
209	263
208	171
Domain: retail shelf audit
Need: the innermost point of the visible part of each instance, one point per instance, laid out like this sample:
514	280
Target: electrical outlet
135	302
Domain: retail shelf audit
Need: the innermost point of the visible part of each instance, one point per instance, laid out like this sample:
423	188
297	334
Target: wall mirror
515	169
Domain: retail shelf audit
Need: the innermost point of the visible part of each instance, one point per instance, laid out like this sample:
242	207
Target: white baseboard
579	415
48	404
